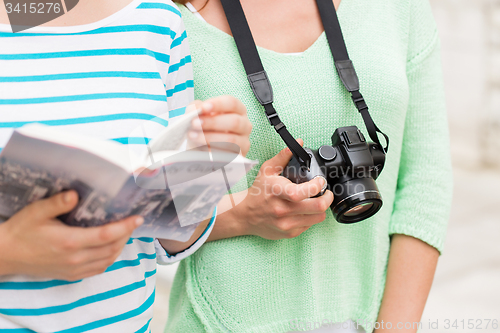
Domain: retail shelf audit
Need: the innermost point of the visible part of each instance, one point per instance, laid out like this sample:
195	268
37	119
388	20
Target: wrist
233	221
173	247
6	265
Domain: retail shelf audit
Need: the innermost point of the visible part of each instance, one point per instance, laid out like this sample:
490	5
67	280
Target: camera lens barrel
350	166
355	200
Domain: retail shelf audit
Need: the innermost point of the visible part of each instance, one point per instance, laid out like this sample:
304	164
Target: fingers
214	137
294	226
104	235
223	104
313	205
85	271
227	122
109	251
298	192
310	206
277	163
194	105
56	205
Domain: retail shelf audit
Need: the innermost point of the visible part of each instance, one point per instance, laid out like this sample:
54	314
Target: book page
174	135
33	169
179	191
169	138
111	151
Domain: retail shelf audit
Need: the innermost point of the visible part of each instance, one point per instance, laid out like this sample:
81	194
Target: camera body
349	166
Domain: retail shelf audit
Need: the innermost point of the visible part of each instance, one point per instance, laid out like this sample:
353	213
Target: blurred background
467	282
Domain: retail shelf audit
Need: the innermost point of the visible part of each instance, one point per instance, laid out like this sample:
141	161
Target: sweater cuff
429	230
162	256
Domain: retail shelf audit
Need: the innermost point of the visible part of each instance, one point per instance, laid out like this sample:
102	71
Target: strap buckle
360	103
270	116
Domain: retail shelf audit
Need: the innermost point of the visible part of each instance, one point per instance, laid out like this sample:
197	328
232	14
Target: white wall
470	39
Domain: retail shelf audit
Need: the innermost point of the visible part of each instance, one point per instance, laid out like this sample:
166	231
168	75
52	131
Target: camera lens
359	209
355	200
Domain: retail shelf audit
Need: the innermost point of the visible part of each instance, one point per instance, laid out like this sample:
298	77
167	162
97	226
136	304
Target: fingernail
139	221
207	107
197	122
67	197
322	181
193	135
287	149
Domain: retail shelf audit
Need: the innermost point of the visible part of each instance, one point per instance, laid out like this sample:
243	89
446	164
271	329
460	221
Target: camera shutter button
327	152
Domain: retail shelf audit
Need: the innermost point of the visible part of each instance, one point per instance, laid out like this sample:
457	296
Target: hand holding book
222	119
34	242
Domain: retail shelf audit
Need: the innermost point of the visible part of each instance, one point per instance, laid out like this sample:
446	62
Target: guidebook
174	190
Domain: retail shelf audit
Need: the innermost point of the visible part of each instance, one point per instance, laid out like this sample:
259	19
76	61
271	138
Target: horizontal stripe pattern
106	81
175	67
156	5
75	76
87	97
88	53
109	321
81	302
180	87
87	120
104	30
33	285
141	239
130	263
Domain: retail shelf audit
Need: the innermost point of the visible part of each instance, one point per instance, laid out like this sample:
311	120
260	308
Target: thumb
278	162
56	205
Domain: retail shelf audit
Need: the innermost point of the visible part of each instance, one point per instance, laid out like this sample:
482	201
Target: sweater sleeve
424	187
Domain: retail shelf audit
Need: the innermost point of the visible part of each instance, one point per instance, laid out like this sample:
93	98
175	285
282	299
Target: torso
104	78
282	26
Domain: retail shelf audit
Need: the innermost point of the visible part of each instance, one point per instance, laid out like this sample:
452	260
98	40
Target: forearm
230	221
172	247
6	267
410	272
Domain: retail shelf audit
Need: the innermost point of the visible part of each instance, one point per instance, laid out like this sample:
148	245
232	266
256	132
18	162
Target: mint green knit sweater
332	272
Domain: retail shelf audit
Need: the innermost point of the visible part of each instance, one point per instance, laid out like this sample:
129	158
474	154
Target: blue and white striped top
102	79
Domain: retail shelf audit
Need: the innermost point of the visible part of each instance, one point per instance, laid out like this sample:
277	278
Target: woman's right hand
274	207
34	242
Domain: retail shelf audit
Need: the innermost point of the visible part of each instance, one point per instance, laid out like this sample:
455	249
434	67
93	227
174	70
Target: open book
173	190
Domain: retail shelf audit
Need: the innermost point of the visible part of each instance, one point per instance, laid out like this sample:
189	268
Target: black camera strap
345	68
261	85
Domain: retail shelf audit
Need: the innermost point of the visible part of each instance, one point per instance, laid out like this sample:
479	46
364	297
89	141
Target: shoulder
410	23
163	10
422	29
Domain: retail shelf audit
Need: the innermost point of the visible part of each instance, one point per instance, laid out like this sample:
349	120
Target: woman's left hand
222	119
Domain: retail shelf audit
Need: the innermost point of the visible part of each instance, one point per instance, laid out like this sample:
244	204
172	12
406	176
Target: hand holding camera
276	208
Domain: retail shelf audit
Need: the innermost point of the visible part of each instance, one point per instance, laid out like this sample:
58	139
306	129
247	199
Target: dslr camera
349	166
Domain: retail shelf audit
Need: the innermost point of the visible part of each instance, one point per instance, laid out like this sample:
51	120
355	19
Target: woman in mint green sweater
279	263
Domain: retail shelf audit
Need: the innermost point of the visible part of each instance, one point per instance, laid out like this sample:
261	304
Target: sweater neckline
321	38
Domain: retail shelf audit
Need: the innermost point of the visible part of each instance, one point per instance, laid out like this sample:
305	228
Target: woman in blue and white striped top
99	70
